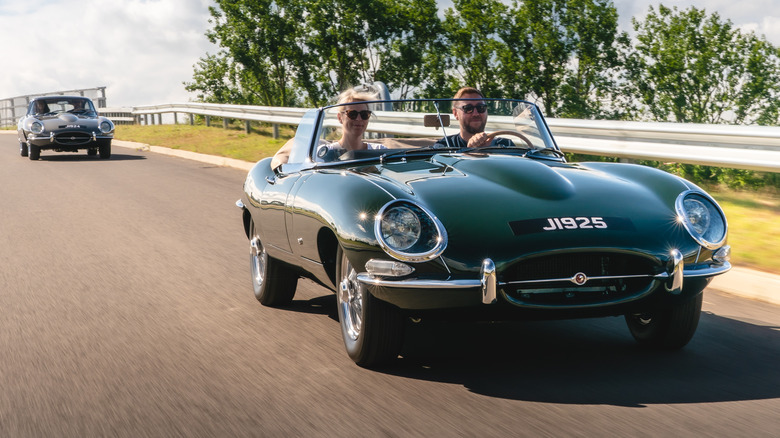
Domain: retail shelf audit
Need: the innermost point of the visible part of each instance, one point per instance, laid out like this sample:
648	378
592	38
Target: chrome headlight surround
106	127
408	232
703	218
36	127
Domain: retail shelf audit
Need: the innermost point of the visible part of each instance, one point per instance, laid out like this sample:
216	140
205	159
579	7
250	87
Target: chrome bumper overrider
489	285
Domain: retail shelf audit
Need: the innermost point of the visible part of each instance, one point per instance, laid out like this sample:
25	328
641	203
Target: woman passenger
354	121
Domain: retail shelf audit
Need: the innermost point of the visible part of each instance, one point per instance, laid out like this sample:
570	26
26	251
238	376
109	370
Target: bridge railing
733	146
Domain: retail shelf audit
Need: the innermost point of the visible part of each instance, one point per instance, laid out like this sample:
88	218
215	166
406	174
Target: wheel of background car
92	151
668	328
273	282
520	135
372	329
105	151
23	149
34	152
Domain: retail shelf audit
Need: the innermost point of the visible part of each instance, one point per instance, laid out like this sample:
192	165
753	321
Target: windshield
56	105
359	130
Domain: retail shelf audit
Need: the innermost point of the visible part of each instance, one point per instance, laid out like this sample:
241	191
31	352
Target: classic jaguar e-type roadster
64	124
421	227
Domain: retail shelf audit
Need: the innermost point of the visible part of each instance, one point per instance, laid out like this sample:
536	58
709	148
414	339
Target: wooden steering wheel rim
518	134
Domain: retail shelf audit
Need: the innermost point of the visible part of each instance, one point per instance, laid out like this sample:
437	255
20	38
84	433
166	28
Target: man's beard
473	131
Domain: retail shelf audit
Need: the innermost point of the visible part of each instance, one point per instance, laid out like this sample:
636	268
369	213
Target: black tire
34	152
274	283
371	328
105	151
92	151
23	149
668	328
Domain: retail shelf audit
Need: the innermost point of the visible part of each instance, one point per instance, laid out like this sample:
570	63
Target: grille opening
565	266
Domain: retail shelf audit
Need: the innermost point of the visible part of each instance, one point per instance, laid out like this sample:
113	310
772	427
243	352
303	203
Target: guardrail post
208	120
192	119
276	131
175	118
225	122
247	127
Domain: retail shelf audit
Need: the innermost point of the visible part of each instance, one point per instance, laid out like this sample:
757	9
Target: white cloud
141	50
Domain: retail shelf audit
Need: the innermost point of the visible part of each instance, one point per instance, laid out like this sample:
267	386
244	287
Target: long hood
493	205
69	121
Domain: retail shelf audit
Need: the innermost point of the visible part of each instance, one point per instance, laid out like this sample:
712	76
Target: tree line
566	55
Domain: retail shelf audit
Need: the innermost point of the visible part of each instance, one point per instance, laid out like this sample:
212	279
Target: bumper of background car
457	293
68	140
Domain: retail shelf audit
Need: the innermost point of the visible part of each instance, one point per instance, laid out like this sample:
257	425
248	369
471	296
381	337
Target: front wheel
23	149
34	152
274	283
371	328
670	327
105	151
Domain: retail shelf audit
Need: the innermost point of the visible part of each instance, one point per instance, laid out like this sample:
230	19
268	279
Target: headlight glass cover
408	232
703	218
106	127
36	127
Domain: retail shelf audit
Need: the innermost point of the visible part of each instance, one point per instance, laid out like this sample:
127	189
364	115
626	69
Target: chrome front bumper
488	284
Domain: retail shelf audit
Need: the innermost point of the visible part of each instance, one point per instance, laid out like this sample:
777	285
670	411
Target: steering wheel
518	134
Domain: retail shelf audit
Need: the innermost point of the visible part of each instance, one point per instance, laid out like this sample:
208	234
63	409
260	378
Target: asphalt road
127	311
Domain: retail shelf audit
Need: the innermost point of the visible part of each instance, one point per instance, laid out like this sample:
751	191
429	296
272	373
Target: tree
691	67
471	28
257	59
565	53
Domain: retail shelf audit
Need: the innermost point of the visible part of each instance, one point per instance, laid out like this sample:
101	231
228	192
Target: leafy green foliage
567	55
691	67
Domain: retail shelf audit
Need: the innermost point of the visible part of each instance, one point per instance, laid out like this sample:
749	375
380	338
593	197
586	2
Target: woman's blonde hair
351	95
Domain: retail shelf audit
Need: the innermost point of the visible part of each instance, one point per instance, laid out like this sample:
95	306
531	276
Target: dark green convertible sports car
413	225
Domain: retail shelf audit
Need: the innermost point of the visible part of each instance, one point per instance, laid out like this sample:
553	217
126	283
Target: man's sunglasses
468	109
365	114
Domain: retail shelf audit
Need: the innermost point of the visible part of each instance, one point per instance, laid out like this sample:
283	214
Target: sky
143	51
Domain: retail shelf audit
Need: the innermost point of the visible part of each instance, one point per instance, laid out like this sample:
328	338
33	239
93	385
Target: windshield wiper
546	153
406	152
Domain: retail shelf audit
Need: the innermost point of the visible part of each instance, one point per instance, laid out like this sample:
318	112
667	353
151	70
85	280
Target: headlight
36	127
703	218
409	233
106	127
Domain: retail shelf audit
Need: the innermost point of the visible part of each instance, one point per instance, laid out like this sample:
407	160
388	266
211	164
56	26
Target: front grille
544	281
73	138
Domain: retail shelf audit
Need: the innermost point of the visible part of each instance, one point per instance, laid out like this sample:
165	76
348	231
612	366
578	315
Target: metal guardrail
734	146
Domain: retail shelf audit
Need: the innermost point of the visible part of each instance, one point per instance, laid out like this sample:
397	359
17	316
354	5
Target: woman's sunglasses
468	109
365	114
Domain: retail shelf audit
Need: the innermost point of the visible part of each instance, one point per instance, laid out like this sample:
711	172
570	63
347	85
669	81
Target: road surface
127	311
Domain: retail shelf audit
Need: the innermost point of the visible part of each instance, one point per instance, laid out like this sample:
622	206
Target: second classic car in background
64	124
418	227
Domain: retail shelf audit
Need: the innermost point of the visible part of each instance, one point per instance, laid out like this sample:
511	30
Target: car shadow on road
595	362
84	157
585	361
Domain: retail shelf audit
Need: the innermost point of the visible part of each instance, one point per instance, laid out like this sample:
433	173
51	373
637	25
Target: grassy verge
754	218
232	142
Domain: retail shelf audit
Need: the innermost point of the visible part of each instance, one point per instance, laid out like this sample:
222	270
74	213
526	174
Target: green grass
232	142
754	218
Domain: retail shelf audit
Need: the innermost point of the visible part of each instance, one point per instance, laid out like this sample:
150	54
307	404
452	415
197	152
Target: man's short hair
468	90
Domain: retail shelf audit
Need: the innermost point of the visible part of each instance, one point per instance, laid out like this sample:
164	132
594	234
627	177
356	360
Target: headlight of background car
703	218
36	127
408	232
106	127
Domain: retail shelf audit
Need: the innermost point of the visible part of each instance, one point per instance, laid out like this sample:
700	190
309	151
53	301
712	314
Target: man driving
472	116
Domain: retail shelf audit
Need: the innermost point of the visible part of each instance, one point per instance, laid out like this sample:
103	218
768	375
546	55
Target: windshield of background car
62	105
426	124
